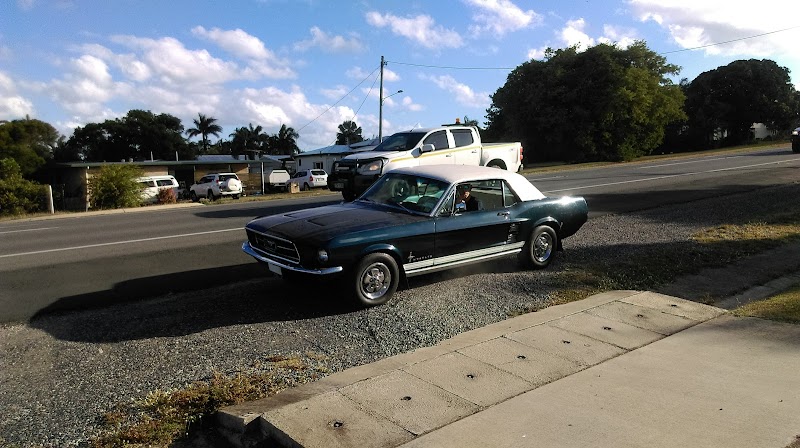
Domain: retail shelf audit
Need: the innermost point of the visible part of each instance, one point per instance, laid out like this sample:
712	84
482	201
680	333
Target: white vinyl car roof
456	174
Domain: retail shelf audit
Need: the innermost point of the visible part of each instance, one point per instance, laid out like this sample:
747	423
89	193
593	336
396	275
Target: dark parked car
410	222
796	140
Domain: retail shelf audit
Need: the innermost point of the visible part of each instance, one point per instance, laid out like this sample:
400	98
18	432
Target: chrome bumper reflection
255	254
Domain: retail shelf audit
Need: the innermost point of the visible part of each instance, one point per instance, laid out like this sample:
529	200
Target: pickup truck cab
445	145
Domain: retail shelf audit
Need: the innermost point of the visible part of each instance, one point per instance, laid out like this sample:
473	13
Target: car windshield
406	192
402	141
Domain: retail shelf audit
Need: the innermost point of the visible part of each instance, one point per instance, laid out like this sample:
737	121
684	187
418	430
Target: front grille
273	246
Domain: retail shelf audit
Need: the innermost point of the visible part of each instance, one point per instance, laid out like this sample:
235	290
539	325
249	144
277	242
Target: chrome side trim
249	250
465	259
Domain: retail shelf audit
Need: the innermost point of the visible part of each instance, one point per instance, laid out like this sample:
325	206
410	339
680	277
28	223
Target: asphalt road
95	260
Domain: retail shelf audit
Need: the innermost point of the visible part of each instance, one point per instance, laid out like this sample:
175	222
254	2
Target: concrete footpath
621	369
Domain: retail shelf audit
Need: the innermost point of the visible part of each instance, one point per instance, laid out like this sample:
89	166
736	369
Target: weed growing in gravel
163	417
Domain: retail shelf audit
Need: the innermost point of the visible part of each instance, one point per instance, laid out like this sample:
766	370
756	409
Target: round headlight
373	167
322	256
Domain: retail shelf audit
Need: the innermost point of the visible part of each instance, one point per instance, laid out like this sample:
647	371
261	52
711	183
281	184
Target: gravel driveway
60	373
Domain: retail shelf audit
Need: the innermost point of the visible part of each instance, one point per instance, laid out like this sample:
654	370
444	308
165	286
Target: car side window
489	193
509	197
438	140
204	180
448	205
462	137
164	183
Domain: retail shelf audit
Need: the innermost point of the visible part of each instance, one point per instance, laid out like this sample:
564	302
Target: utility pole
380	105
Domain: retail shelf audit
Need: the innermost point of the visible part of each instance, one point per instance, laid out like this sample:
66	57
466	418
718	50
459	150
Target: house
70	181
323	158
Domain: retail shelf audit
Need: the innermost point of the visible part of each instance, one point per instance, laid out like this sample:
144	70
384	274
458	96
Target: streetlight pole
380	103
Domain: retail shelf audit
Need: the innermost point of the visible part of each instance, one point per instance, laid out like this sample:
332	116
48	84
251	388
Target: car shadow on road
147	307
261	209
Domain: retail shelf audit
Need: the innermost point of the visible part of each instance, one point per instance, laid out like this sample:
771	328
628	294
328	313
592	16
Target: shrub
18	195
116	186
167	196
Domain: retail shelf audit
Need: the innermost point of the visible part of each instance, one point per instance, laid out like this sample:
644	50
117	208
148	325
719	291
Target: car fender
385	248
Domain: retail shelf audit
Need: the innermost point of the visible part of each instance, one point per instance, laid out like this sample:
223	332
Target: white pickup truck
445	145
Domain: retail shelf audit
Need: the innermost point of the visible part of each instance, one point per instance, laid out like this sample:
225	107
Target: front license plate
275	269
338	185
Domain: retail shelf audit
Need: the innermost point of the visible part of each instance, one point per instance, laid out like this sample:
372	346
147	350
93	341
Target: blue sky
311	64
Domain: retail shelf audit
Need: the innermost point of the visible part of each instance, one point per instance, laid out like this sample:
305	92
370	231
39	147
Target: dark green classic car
412	221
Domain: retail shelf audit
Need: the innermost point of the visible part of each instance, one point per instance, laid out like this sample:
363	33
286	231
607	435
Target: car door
470	235
468	150
442	154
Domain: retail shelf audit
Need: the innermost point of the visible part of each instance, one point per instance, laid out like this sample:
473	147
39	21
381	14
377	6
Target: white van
151	185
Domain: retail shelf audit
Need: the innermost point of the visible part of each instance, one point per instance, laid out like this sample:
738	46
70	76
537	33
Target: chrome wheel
539	249
542	247
375	279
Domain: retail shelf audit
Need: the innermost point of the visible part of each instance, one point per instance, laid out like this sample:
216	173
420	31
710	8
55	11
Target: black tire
374	279
348	196
306	187
193	197
540	249
494	164
236	196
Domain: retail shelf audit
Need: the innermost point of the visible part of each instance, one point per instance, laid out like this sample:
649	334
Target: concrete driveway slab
415	405
476	381
643	317
535	366
573	346
607	330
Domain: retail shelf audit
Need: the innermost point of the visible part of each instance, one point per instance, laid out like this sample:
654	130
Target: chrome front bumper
255	254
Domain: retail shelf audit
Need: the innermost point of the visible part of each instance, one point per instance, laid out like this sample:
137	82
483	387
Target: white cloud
421	29
693	24
622	37
409	104
335	93
536	53
235	41
174	64
499	17
463	94
25	4
328	43
12	104
359	74
573	34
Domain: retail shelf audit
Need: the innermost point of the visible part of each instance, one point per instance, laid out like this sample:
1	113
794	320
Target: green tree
17	194
116	186
204	126
29	142
605	103
285	141
729	99
250	139
138	135
349	133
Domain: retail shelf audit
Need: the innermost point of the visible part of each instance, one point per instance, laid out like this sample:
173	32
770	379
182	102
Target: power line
451	67
730	41
337	101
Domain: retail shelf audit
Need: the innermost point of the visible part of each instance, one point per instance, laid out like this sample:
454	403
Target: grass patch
655	265
784	307
164	417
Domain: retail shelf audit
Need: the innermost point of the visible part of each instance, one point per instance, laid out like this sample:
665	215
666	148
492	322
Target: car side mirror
461	207
427	148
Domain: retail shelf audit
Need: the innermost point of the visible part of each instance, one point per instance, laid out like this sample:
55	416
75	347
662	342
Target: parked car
276	180
216	185
796	140
308	179
410	223
151	185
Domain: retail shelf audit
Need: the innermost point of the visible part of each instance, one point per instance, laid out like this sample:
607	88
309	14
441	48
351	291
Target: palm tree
285	141
204	126
349	133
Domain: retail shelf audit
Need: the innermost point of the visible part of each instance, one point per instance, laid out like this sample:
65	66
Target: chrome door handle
506	214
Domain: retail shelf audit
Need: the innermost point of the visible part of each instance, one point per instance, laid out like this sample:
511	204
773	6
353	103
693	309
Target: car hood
368	155
321	224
